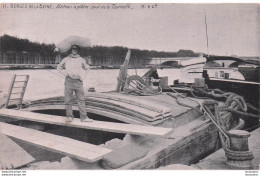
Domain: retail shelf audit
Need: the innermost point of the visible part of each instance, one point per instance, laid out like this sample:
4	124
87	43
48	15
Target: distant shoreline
54	66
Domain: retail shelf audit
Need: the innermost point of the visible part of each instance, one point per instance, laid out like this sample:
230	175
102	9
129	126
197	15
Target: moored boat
239	77
194	134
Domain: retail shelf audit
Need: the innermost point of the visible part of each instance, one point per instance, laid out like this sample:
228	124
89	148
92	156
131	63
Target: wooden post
123	72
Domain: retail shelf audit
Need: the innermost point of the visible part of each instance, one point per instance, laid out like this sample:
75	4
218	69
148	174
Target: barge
129	131
192	138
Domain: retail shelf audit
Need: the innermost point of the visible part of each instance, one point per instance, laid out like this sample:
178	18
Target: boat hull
249	90
185	150
188	144
194	138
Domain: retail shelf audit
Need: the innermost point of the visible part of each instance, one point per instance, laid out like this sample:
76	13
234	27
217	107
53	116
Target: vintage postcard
129	86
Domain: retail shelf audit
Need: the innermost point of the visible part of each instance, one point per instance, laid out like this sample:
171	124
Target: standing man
74	67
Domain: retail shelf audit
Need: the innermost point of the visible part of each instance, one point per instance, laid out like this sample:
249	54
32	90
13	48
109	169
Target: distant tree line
115	55
103	51
15	44
104	54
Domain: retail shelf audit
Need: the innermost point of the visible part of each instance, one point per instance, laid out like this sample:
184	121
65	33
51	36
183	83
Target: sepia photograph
129	86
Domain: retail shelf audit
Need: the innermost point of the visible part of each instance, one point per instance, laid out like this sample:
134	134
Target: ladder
17	87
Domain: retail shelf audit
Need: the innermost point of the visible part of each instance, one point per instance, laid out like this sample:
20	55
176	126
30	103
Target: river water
48	83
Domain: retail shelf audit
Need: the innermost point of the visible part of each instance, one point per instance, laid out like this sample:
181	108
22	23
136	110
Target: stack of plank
134	108
59	144
9	151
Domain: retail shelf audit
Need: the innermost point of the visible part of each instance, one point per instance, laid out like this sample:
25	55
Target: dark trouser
74	85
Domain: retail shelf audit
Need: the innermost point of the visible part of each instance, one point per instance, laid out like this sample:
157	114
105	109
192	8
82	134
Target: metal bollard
239	155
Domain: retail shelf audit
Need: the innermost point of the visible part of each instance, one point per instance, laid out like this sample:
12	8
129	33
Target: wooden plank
134	100
114	105
140	101
123	111
106	113
117	116
126	118
96	125
63	145
123	72
12	155
90	110
127	106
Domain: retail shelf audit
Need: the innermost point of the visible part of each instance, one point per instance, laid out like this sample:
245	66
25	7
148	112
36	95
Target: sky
233	29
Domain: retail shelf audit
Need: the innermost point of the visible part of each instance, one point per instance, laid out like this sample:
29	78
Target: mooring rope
231	100
206	110
178	97
238	155
230	154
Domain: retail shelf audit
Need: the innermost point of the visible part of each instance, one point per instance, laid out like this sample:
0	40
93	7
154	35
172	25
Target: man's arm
85	66
62	68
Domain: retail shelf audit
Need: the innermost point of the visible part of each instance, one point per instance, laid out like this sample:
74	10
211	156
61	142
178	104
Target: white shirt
74	66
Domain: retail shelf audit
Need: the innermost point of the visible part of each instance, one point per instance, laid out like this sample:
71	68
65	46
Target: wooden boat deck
145	110
95	125
199	132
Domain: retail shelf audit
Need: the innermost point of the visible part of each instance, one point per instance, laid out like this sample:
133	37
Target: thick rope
230	154
140	88
225	144
208	112
178	100
233	102
211	116
238	155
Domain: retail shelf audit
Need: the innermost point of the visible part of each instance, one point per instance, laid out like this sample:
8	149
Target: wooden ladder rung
15	99
21	75
17	93
20	81
18	87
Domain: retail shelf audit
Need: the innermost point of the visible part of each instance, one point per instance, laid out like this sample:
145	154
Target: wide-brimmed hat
75	47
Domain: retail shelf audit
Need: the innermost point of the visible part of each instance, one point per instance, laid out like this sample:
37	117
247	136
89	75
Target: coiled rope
224	137
136	85
233	102
238	155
